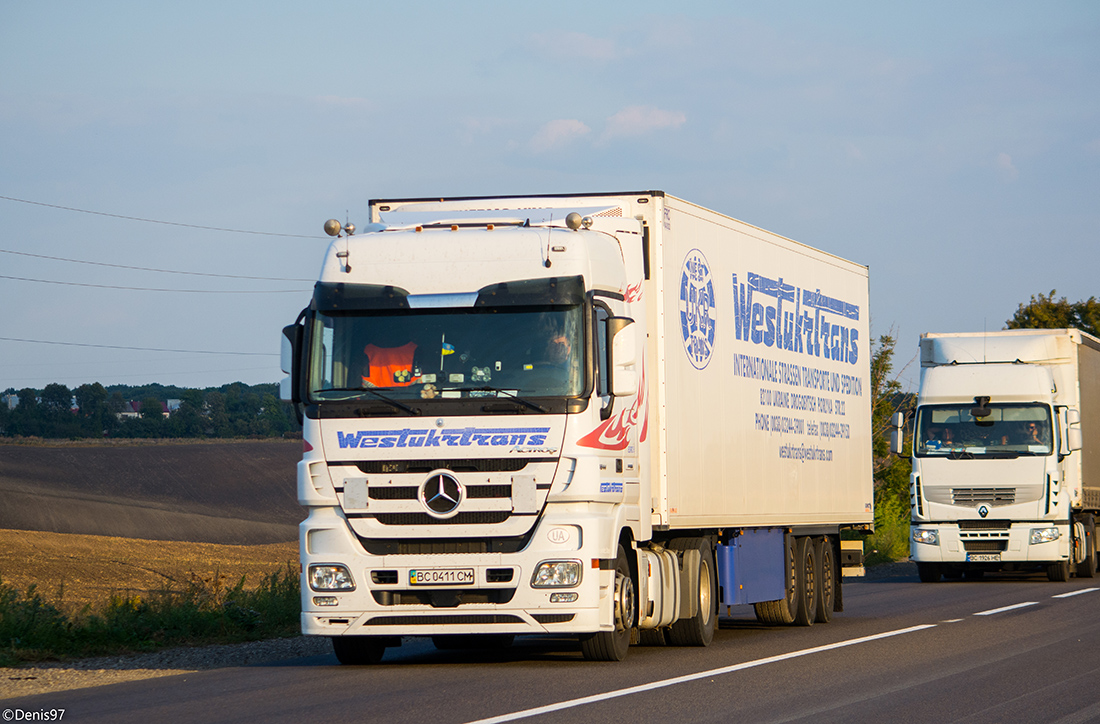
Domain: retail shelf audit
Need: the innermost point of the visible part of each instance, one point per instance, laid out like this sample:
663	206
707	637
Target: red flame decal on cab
614	433
633	292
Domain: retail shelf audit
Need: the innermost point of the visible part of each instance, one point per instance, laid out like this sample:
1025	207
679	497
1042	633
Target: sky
166	168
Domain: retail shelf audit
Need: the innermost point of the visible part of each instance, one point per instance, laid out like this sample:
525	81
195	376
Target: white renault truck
601	415
1006	454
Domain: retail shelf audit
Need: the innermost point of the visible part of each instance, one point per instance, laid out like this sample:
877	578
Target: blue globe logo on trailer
698	310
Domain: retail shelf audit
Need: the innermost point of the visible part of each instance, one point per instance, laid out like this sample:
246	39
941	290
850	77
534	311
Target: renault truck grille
984	546
989	496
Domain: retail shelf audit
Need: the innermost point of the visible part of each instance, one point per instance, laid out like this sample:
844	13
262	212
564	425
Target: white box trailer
1006	454
698	437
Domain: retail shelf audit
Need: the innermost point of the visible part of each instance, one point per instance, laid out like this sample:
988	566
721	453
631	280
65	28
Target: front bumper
1012	545
500	599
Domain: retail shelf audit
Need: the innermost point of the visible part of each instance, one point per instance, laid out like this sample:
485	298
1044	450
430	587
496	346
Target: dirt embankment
226	492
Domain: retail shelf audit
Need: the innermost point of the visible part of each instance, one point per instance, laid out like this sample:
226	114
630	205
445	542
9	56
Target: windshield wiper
388	400
511	396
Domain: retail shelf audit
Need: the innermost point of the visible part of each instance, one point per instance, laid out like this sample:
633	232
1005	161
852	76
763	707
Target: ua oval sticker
697	309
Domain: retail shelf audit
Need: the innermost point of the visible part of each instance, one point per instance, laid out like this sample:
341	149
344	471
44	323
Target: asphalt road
1004	649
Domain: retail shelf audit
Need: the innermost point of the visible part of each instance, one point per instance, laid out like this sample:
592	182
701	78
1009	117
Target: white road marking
1076	593
953	620
992	611
642	688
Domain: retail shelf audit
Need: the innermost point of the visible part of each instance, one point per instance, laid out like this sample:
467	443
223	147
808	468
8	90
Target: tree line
93	411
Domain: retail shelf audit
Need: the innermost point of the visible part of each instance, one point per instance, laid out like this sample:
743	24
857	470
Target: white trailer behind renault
1006	453
698	437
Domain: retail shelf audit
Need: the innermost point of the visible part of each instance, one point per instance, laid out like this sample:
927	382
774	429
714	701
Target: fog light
324	601
563	597
927	537
557	574
330	578
1044	535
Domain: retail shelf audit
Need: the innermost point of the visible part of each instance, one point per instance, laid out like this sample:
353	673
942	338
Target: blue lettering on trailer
817	325
698	309
465	437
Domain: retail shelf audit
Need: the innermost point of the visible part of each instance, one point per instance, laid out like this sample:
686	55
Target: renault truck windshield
401	348
1008	431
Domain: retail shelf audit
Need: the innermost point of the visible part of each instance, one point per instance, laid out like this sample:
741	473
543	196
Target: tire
826	579
782	612
460	642
1058	572
699	629
613	645
1087	568
929	572
806	611
358	650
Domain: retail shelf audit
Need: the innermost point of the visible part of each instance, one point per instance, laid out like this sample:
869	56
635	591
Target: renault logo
983	511
441	494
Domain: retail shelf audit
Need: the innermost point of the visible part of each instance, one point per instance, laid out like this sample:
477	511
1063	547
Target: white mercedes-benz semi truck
1006	454
602	415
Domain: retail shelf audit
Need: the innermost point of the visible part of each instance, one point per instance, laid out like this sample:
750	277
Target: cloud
557	134
636	121
1004	166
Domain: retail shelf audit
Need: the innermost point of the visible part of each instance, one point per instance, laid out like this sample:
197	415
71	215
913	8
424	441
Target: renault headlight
330	577
557	574
1044	535
926	536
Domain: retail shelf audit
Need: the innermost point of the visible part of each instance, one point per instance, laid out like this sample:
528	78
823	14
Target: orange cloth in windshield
390	366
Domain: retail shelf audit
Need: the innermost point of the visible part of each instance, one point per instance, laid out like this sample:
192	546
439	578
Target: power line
147	269
148	289
156	221
139	349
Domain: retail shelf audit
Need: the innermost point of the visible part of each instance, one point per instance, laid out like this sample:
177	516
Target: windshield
1009	430
424	354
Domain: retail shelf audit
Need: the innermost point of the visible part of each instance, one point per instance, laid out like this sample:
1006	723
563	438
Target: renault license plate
982	557
441	577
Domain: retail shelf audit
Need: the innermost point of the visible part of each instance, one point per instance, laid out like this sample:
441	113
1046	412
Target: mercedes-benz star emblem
441	495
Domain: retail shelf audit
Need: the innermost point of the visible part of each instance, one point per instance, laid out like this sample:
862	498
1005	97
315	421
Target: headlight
557	574
927	537
1044	535
330	578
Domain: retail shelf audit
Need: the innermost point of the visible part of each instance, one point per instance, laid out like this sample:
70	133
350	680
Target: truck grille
409	492
475	465
452	620
472	518
988	496
984	546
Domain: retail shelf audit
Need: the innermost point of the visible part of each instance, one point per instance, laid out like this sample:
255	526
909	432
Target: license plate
982	557
441	577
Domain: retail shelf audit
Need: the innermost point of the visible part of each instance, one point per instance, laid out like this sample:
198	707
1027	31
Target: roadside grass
202	610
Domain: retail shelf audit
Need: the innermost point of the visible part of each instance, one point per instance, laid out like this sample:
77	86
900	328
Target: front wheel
1058	572
358	650
1088	567
929	572
613	645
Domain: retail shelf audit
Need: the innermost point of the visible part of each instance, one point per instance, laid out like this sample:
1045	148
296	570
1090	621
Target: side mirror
1074	439
622	341
289	361
897	434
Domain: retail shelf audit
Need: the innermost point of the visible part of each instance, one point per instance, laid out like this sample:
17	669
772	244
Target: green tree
1046	312
95	416
891	472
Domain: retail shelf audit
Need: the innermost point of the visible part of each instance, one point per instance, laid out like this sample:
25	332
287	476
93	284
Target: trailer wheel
826	579
1058	572
929	572
806	612
358	650
1087	568
613	645
699	629
782	612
